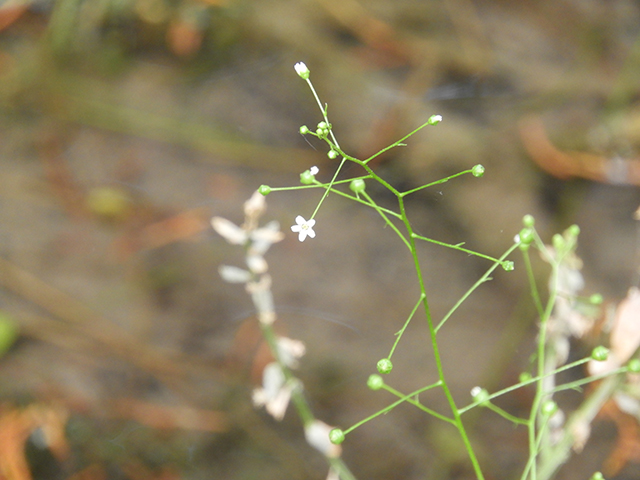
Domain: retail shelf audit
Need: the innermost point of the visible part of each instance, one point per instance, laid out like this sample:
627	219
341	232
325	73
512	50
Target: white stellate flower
304	228
314	170
302	70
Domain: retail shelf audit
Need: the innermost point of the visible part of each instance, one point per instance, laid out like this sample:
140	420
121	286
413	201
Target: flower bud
434	119
357	185
375	382
549	407
480	395
597	476
302	70
574	231
385	366
600	353
336	436
264	190
528	221
558	242
596	299
526	236
332	154
304	130
477	171
524	377
508	266
306	177
634	365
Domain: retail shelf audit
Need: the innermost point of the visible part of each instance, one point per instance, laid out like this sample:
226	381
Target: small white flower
302	70
314	170
229	231
304	228
290	351
275	392
234	274
263	238
317	435
260	292
255	206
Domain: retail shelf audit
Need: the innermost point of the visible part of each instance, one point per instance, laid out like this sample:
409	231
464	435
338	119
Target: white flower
229	231
314	170
275	392
317	435
302	70
304	228
290	351
255	206
234	274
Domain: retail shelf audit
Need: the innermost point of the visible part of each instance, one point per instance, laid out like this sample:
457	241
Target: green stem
480	281
434	343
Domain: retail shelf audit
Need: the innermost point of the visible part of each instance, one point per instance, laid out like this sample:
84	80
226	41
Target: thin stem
455	247
437	182
403	398
384	217
395	144
404	327
480	281
434	343
328	188
532	283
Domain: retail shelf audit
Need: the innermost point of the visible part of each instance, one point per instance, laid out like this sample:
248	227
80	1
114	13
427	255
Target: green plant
551	433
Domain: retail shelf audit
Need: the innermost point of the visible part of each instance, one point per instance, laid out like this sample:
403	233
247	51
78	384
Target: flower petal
229	231
234	274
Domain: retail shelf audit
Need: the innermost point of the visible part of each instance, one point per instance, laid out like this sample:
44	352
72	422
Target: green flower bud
528	221
634	365
596	299
526	236
480	395
549	407
525	377
600	353
574	231
336	436
508	266
597	476
434	119
323	125
375	382
307	178
558	242
477	171
264	190
304	130
357	185
385	366
321	132
332	154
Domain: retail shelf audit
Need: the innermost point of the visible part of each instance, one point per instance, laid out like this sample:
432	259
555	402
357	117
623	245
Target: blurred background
126	124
